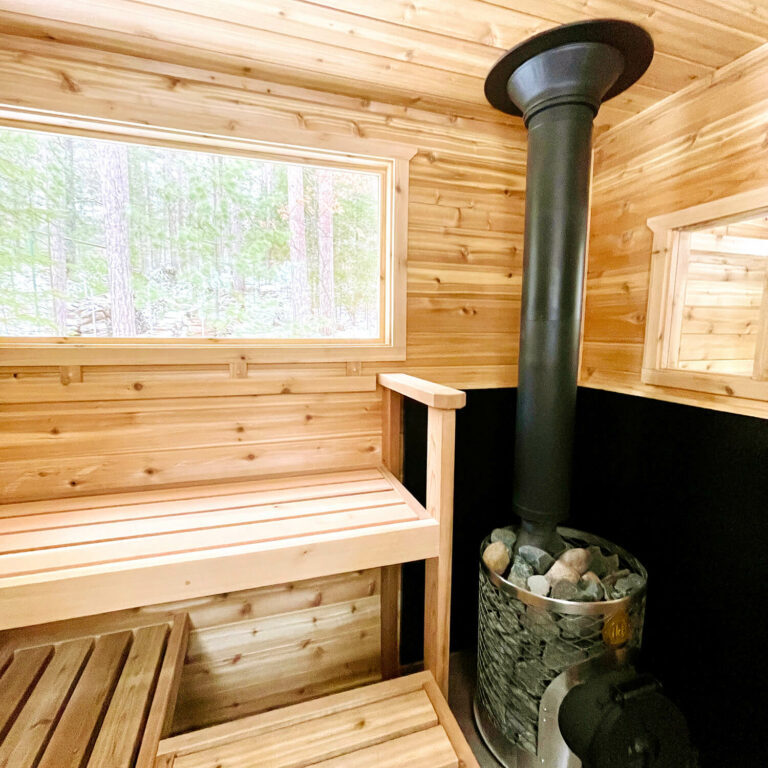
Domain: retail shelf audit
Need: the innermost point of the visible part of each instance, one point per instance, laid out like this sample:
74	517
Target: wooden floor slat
120	736
400	723
96	701
323	738
36	722
18	680
430	748
160	715
83	715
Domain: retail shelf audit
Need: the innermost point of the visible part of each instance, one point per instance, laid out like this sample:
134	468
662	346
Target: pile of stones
582	574
523	647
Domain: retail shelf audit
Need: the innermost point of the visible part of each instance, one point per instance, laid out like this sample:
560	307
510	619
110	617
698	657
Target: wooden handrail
441	449
423	391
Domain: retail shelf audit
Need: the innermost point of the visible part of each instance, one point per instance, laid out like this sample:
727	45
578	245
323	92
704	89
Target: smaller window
708	305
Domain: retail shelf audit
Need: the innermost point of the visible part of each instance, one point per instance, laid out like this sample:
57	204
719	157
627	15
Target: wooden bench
401	723
91	702
68	557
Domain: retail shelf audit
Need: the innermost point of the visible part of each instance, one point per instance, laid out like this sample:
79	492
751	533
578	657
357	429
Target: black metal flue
556	81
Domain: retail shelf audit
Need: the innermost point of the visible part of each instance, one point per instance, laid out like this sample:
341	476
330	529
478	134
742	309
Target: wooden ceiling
430	53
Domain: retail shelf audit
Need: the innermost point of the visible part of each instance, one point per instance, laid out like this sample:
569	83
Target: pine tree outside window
154	242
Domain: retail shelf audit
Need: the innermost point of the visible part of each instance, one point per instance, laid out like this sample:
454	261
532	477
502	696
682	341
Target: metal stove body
533	650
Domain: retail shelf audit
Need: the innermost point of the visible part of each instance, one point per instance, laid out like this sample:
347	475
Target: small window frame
389	159
667	268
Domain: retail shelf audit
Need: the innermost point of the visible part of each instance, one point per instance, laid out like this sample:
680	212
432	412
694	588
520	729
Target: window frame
389	159
667	269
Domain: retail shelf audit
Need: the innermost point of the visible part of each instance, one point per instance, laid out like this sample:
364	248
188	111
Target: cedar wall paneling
704	143
257	649
100	428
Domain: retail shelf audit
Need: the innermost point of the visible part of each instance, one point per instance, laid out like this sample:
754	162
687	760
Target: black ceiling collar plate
633	42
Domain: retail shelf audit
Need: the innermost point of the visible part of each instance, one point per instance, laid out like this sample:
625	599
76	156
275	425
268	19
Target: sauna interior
261	270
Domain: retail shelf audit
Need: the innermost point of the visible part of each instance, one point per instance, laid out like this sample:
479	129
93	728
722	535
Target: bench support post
392	457
441	439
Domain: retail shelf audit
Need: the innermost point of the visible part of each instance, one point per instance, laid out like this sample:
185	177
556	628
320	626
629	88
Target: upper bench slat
98	554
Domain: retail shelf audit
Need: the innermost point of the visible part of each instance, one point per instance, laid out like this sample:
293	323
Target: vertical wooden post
441	449
392	456
761	349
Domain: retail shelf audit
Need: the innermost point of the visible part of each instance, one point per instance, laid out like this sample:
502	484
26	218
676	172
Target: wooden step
400	723
92	702
63	558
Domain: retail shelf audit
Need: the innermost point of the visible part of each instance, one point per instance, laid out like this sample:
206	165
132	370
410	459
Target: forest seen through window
112	239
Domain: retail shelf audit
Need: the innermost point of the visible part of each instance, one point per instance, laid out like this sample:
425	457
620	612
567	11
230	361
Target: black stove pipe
556	81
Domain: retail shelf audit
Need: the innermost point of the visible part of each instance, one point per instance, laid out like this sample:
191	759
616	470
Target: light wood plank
452	729
160	715
426	392
700	153
18	681
184	576
259	725
79	725
19	391
191	494
323	738
75	532
77	475
429	747
120	735
195	542
37	721
392	456
441	431
230	670
136	512
390	621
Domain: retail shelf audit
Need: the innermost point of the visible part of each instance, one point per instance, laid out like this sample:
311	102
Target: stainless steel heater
557	684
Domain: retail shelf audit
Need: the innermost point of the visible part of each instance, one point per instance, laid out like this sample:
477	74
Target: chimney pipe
556	81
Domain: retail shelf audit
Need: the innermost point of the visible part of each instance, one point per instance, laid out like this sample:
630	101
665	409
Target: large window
115	241
708	309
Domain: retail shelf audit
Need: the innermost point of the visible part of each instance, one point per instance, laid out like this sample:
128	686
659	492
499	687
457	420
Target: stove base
553	751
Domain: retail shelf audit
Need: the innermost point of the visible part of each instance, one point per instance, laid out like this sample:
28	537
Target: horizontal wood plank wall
702	144
254	650
96	429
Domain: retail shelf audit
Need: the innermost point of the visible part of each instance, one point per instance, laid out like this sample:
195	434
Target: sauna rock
505	535
540	560
496	557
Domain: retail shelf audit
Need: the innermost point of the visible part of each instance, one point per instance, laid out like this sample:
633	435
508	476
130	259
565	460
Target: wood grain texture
120	736
93	698
37	720
139	425
19	678
80	723
255	649
232	538
442	53
441	455
405	721
703	144
160	716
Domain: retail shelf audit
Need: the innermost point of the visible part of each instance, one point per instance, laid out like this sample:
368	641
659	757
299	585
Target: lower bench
400	723
96	701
